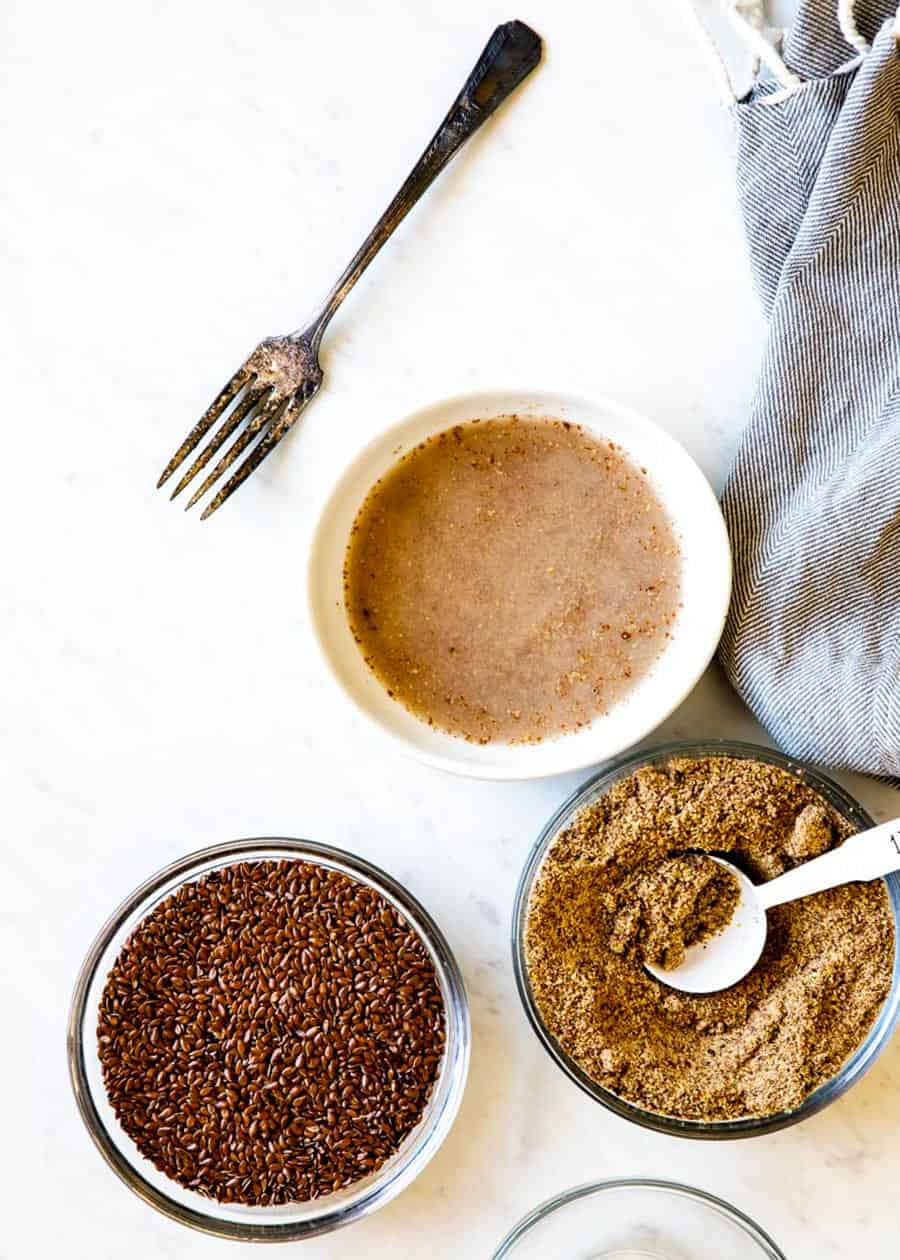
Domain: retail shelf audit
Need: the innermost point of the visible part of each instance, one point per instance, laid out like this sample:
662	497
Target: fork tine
251	399
257	421
284	422
226	395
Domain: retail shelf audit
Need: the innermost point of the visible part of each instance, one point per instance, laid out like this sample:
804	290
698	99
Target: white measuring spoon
724	959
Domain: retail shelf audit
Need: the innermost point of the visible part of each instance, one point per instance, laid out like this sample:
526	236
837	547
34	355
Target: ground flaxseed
271	1033
757	1048
664	909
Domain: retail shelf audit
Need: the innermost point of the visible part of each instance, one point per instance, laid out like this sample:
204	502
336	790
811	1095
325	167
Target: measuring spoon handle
868	855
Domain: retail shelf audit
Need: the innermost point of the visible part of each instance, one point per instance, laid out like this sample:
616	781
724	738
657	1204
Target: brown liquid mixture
511	579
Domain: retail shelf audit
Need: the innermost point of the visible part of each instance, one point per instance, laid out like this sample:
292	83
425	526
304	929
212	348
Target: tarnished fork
267	393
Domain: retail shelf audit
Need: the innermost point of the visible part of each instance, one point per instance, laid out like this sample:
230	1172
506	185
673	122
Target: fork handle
509	56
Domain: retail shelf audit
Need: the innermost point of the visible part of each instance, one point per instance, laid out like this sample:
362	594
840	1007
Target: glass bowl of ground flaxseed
269	1039
596	894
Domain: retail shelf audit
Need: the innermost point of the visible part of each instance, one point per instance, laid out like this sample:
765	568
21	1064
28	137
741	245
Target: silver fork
267	393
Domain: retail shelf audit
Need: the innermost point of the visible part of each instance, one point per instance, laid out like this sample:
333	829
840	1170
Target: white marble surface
180	179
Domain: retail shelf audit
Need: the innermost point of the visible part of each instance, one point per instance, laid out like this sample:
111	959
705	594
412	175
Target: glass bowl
637	1220
290	1221
855	1066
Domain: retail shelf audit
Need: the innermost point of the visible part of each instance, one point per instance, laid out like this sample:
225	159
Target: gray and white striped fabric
812	503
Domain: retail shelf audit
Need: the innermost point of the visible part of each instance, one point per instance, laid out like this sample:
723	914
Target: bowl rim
715	1130
526	396
677	1188
457	1014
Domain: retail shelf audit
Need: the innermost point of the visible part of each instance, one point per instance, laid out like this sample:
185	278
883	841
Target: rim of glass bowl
750	1126
731	1213
366	1196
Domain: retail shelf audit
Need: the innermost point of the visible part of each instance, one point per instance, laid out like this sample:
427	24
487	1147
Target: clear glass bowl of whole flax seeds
305	1044
851	817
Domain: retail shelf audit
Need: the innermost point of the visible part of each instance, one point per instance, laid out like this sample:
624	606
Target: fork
273	386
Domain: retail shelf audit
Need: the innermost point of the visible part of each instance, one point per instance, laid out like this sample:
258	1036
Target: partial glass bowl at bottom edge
637	1219
290	1221
854	1067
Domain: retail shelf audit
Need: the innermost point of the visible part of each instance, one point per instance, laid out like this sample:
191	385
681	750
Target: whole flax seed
271	1033
757	1048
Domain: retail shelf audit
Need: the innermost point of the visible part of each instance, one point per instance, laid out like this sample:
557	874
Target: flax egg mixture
512	579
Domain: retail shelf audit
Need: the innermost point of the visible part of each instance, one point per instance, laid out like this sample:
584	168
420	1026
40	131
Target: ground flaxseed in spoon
271	1033
757	1048
512	579
665	908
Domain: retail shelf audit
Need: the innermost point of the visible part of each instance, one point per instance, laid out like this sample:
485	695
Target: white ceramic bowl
706	587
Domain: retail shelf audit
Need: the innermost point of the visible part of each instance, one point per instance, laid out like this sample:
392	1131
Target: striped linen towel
812	642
